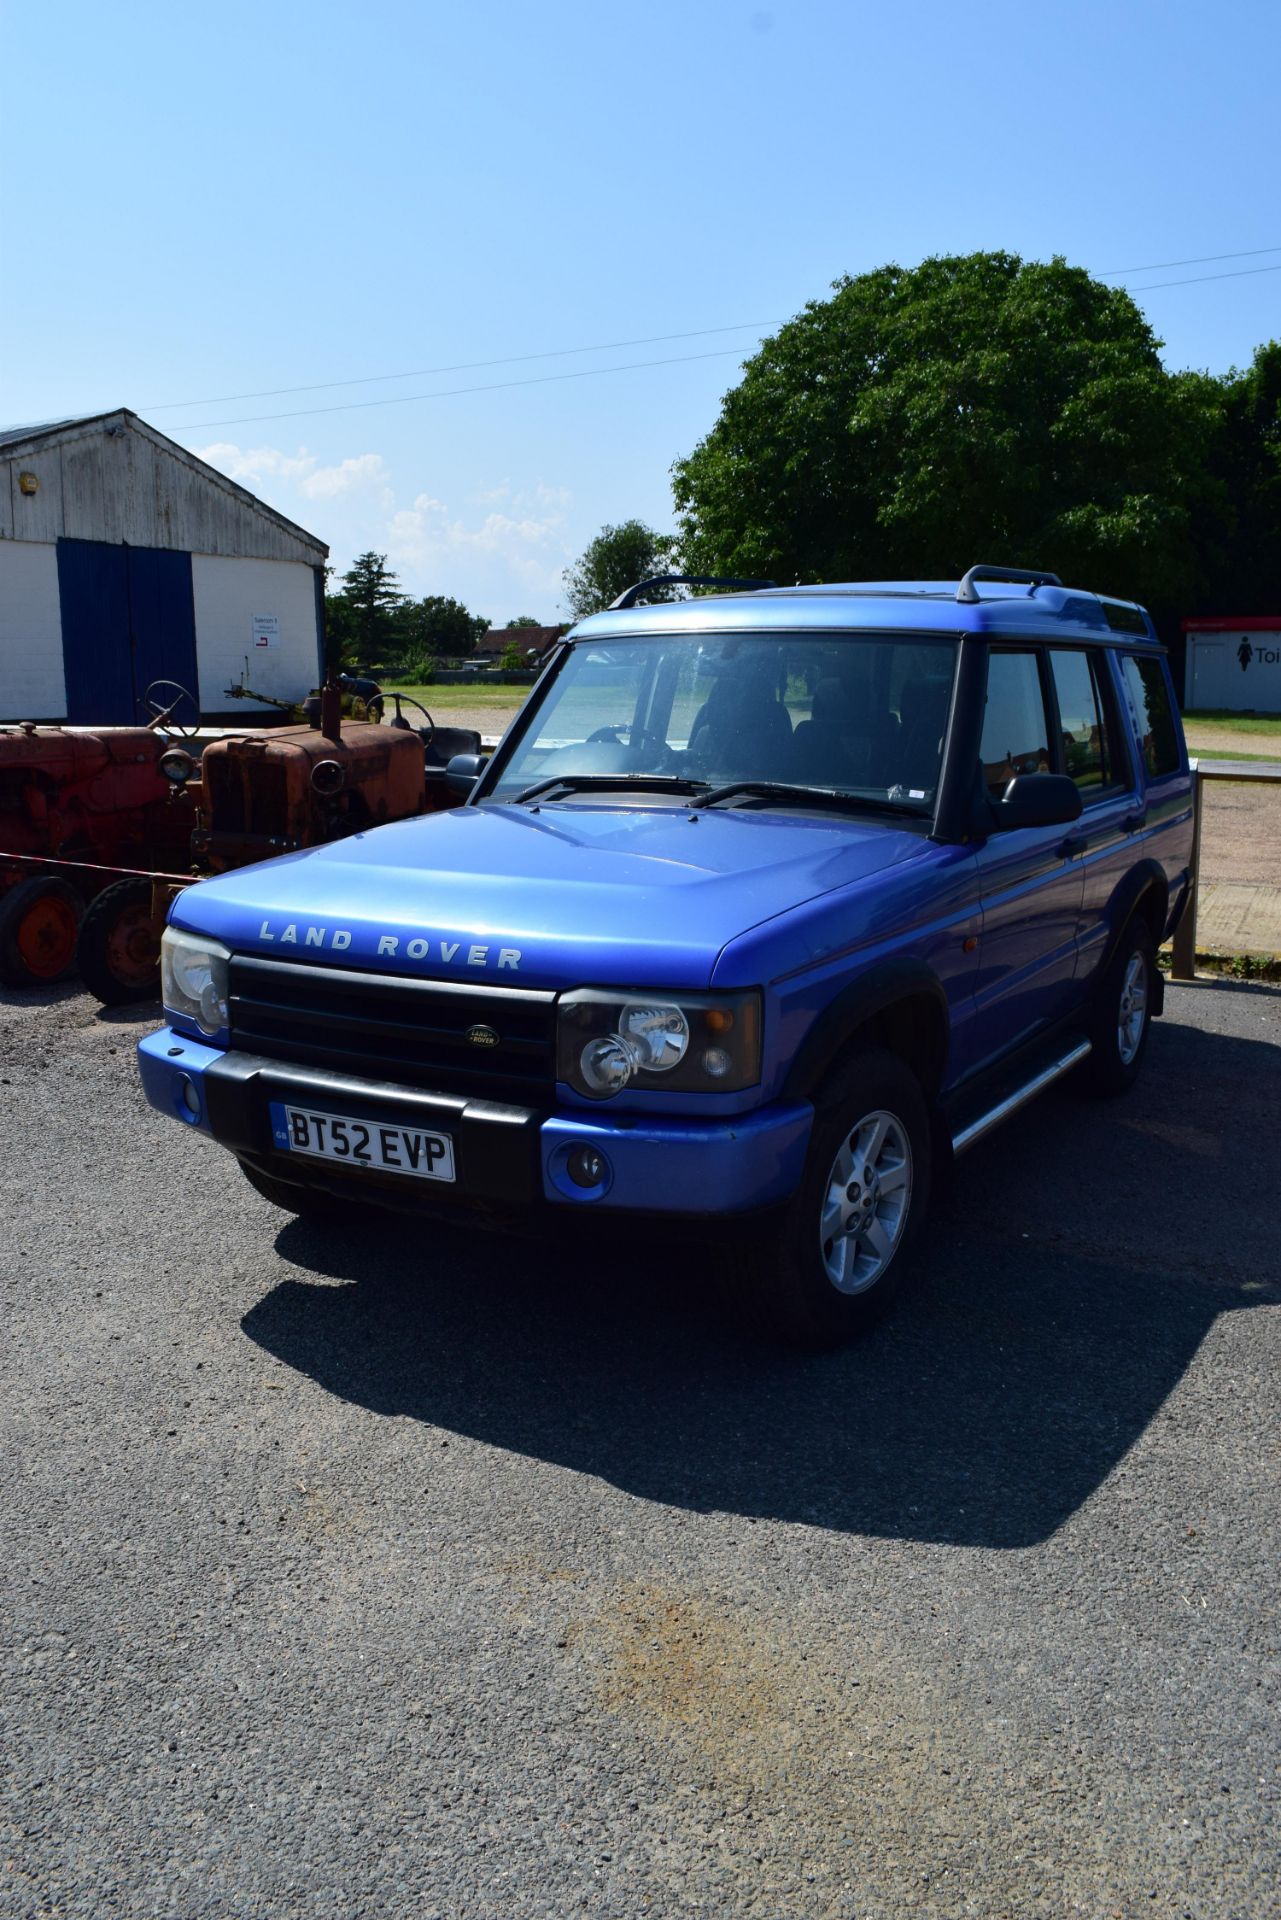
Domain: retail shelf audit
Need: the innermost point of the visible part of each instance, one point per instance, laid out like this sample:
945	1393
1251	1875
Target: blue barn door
128	618
93	589
162	623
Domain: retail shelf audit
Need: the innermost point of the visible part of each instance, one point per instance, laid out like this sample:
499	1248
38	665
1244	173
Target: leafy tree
616	559
438	625
341	644
1246	464
366	623
977	407
524	620
512	657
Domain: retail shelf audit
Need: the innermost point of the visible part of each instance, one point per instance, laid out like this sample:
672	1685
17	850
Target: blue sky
208	201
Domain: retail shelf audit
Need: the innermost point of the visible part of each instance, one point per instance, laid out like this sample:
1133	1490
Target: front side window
1016	734
1149	693
861	715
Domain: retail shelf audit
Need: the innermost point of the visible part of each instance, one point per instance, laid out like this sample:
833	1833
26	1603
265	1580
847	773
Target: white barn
125	559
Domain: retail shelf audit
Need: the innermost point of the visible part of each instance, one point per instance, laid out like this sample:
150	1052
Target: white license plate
362	1143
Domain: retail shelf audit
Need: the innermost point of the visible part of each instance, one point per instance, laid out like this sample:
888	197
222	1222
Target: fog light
587	1167
187	1095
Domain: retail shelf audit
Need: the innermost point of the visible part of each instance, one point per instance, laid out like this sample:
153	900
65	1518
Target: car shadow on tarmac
1060	1295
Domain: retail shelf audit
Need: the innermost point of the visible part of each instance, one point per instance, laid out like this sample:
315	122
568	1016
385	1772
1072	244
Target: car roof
892	606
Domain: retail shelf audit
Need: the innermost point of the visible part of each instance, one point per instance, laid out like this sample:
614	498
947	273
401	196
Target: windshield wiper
803	796
610	783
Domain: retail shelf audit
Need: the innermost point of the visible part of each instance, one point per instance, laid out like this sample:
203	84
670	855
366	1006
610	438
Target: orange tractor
99	829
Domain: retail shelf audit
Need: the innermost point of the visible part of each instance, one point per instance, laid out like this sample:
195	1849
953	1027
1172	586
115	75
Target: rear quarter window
1158	734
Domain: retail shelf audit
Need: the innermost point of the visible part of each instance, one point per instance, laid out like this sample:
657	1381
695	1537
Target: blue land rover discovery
769	902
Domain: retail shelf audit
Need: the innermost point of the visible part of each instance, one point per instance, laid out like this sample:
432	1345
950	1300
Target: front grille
413	1032
249	795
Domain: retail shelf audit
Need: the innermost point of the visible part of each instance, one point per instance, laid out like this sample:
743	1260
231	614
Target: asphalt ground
382	1571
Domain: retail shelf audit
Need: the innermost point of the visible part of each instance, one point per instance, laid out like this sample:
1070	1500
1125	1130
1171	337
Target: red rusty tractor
260	794
76	805
99	830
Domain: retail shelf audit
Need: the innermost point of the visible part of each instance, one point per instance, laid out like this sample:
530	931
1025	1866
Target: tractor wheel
39	919
119	949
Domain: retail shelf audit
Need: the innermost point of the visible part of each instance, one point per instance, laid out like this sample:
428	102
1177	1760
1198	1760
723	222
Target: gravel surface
385	1572
1241	833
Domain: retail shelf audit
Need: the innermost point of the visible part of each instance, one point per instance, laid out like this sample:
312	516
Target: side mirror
1037	800
463	771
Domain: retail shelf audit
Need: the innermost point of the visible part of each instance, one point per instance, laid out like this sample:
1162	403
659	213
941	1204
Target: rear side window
1149	693
1016	736
1088	753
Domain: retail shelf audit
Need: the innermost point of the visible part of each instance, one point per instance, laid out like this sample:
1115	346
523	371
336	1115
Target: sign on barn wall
266	629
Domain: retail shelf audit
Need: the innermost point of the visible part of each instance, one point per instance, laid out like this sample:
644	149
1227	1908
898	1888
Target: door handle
1135	822
1074	844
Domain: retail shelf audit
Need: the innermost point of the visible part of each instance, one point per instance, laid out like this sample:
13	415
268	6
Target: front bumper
509	1159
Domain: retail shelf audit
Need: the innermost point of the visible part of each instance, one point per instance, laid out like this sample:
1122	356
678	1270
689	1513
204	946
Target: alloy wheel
865	1202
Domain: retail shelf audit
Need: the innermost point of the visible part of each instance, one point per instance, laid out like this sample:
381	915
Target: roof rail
1014	576
633	594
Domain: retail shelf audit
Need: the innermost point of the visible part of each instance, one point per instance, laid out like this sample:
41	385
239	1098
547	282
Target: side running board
969	1136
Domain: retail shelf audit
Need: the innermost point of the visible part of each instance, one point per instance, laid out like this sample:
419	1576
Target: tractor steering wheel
162	714
400	721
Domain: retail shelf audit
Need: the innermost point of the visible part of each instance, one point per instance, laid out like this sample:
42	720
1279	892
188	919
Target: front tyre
833	1263
1123	1013
39	920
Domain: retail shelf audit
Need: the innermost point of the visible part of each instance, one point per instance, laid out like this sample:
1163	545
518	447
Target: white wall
1217	678
32	686
228	595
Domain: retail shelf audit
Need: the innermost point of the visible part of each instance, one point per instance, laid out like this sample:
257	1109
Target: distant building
1233	664
125	559
537	640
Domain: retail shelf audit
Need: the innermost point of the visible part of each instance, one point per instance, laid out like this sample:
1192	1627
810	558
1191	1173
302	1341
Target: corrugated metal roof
37	430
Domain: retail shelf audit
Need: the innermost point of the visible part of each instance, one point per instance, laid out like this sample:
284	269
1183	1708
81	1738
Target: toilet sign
1234	665
266	630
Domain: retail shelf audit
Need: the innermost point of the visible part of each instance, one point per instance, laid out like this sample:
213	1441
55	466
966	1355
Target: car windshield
858	715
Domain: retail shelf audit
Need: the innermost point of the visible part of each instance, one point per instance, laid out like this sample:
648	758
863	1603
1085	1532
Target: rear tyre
119	948
303	1201
1123	1013
39	921
834	1260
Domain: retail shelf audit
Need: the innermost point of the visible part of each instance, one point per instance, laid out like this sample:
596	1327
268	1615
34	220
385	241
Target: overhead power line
458	366
446	393
631	366
604	346
1199	279
1202	260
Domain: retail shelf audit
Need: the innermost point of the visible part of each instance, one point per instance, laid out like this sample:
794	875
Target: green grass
1265	723
443	699
1221	753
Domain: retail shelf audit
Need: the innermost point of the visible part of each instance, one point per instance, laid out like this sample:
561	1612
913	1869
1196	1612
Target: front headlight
193	980
684	1042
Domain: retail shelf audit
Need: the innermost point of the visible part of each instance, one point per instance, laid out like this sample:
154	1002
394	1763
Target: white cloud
259	467
502	553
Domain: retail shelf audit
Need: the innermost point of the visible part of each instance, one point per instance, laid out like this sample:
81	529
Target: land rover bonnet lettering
339	939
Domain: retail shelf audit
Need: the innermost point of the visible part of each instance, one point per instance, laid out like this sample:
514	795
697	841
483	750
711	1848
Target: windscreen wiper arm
610	783
784	790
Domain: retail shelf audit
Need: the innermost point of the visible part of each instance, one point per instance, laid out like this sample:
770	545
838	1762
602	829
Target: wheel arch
898	1004
1144	890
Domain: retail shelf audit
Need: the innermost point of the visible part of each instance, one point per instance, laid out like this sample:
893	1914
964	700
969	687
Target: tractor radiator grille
413	1032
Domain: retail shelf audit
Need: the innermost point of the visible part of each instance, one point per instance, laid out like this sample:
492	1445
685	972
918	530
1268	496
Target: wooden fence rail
1183	964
